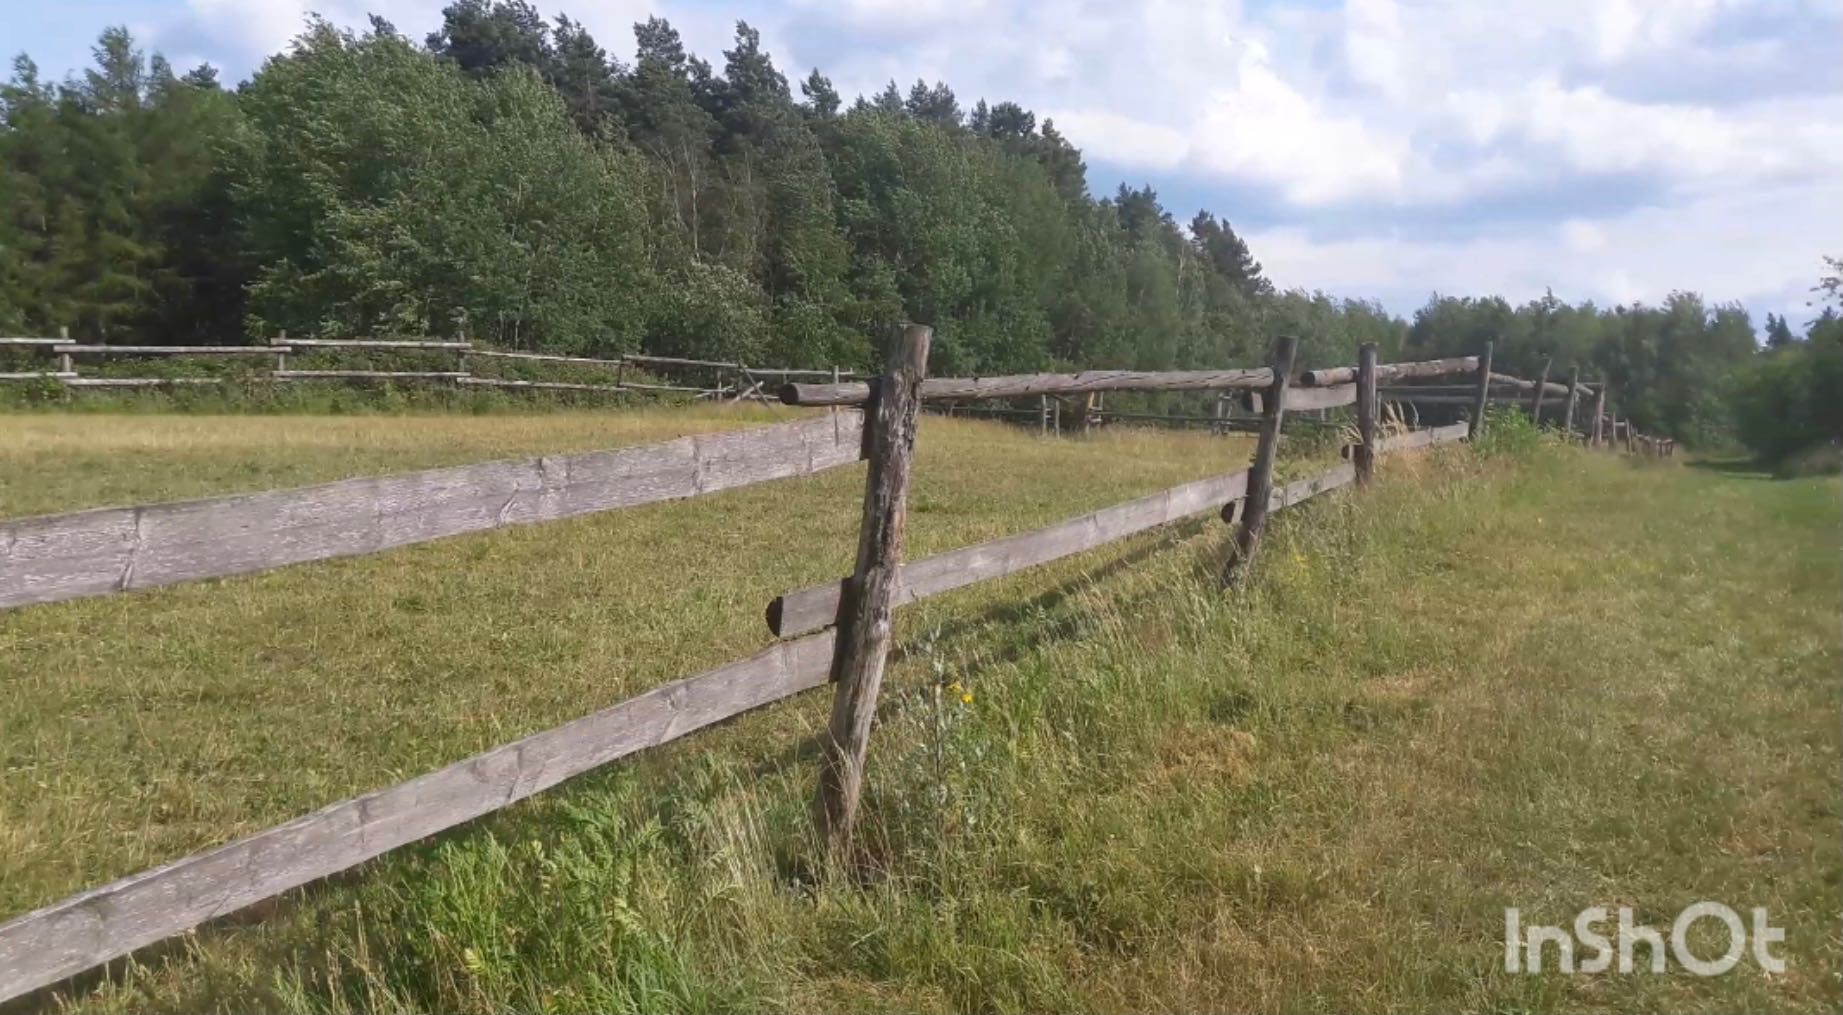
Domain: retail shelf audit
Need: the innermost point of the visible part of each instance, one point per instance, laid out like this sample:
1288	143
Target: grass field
1551	682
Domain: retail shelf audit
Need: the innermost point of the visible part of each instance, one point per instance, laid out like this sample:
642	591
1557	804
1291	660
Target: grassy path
1571	681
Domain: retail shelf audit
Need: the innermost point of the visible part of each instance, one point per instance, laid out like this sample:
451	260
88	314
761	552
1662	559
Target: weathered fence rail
108	550
101	551
730	379
814	608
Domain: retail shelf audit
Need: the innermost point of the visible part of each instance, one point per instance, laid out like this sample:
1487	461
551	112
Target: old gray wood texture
1482	399
426	375
367	343
500	382
68	937
165	350
74	381
815	608
1422	438
543	357
1391	371
1574	397
1260	475
1525	386
1301	490
1539	390
92	553
1364	457
1300	399
864	609
1021	385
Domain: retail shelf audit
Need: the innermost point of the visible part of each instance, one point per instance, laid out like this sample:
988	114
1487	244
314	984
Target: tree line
507	180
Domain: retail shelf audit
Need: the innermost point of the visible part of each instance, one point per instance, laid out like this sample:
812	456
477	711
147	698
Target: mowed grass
1553	682
54	462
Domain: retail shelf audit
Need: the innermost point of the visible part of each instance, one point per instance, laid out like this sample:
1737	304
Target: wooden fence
839	631
721	379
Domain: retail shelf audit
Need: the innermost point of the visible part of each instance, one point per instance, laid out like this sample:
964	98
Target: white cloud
1264	130
1759	247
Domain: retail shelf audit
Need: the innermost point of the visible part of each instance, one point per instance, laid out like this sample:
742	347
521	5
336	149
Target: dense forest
505	179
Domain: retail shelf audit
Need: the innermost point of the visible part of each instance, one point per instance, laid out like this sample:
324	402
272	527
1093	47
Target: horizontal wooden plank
1310	398
425	375
166	350
1301	490
91	553
33	341
33	375
797	372
666	387
811	609
1422	438
1297	492
681	362
1519	384
1391	371
1497	390
138	382
1021	385
61	940
543	357
1398	395
366	343
500	382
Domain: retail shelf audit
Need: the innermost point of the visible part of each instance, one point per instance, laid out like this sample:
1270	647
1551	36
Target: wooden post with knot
1260	474
864	609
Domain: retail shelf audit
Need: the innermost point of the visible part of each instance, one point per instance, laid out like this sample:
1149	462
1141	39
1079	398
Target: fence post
1365	456
1260	475
1043	415
281	355
1574	392
1599	410
1484	394
862	645
64	364
1542	384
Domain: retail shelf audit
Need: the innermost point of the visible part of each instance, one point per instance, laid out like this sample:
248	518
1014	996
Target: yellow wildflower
967	698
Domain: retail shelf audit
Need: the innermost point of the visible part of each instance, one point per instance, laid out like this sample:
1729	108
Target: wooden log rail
1021	385
1391	371
733	380
110	550
816	608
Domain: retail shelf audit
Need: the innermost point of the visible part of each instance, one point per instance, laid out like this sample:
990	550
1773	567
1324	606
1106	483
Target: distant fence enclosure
62	361
841	627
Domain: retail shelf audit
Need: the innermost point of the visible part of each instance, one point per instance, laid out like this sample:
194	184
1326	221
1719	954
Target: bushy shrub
1790	399
1509	433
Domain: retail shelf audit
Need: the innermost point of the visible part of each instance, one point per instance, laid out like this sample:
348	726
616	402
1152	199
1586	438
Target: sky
1607	150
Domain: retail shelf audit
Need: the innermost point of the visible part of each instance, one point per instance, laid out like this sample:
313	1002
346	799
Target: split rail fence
837	633
726	380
